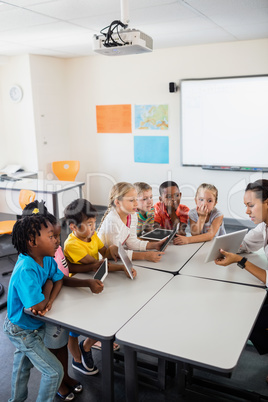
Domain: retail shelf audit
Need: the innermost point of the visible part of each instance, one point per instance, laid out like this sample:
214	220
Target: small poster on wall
151	149
113	119
151	117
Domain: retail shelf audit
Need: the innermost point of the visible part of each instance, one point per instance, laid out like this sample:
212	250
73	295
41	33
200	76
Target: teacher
256	202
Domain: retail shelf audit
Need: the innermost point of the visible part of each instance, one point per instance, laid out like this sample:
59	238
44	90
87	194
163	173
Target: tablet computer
229	242
125	259
102	271
169	239
156	234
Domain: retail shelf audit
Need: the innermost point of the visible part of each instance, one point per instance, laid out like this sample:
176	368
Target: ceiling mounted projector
113	41
129	41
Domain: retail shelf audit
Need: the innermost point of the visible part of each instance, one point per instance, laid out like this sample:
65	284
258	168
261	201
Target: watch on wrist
242	262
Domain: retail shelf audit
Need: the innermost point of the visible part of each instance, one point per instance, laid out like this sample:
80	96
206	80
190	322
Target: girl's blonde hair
118	191
140	187
209	187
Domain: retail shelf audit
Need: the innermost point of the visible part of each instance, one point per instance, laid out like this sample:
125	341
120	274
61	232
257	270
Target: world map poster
151	117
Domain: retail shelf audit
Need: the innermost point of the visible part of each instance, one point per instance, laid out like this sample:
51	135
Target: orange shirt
162	217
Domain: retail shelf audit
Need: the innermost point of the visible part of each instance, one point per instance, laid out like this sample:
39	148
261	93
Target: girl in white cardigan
119	224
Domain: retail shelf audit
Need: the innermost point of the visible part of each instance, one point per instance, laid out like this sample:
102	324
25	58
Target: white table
101	316
232	273
57	194
174	259
192	320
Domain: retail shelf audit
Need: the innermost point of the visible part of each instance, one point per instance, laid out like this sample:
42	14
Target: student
81	248
206	220
35	283
256	202
145	213
56	338
119	224
169	211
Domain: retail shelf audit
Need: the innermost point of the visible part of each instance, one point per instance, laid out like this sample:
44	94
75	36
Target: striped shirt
146	222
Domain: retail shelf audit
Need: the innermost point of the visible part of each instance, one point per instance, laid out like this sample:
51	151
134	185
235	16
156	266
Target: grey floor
249	374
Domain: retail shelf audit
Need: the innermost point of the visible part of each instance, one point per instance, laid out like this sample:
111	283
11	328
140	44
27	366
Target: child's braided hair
28	226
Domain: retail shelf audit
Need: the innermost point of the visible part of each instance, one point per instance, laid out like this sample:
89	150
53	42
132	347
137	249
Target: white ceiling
64	28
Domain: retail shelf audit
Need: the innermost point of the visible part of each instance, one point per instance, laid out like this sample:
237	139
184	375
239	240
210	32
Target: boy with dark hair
35	282
82	248
168	211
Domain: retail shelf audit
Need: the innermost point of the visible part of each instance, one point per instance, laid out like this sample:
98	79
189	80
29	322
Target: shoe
66	397
84	370
97	346
87	359
76	389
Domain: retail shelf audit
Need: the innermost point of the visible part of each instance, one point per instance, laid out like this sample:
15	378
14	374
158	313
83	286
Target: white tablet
229	242
102	271
169	239
156	234
125	259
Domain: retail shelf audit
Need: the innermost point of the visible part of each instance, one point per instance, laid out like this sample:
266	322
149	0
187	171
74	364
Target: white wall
50	85
58	115
144	79
17	120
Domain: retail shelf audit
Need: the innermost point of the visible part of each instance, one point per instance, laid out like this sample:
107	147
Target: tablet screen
126	261
156	234
102	271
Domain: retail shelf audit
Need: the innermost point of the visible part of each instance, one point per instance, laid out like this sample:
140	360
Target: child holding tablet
206	220
35	282
145	208
119	224
81	249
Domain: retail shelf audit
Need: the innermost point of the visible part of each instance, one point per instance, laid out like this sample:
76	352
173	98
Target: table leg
107	370
55	205
181	377
131	376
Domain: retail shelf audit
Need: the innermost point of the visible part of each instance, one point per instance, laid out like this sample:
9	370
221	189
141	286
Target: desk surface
174	259
103	314
38	185
197	321
197	267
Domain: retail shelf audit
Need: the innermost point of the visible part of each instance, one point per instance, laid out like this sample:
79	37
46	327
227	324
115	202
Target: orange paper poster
113	119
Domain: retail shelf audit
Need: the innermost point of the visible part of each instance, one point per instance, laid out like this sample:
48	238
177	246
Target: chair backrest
25	197
66	170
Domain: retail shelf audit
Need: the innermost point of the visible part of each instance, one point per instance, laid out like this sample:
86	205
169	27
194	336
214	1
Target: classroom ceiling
64	28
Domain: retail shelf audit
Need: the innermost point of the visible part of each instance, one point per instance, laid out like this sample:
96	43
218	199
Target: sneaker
82	369
87	359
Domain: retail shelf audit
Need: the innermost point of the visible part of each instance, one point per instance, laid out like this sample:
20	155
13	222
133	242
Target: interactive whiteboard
224	122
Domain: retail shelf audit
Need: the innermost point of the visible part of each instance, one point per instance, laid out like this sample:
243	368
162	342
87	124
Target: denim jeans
31	351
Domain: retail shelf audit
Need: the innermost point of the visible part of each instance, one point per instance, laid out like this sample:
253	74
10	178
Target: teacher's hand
227	258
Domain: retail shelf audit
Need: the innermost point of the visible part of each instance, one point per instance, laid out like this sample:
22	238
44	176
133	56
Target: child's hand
42	312
178	239
95	285
134	272
153	256
114	252
96	265
158	244
202	210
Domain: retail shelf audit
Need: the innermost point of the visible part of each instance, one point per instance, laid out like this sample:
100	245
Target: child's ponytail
118	191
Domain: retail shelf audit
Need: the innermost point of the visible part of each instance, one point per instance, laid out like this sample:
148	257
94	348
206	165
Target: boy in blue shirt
34	284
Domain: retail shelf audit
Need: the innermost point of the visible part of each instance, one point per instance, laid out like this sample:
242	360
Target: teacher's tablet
229	242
